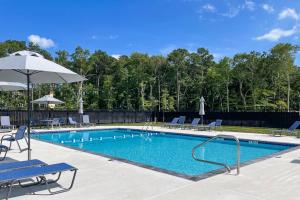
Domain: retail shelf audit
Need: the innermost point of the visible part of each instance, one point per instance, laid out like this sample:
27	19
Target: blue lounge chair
20	165
179	123
290	130
218	122
9	178
194	123
210	126
19	135
3	149
181	120
173	122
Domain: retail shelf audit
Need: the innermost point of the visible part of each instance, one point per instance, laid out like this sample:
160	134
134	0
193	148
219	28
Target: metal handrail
217	163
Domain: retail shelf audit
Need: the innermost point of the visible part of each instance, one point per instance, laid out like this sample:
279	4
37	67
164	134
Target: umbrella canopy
12	86
30	67
18	65
47	99
201	110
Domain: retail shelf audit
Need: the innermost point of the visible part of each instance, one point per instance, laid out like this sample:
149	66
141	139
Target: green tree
178	62
283	56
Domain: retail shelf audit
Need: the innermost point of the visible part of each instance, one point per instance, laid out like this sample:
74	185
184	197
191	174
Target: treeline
254	81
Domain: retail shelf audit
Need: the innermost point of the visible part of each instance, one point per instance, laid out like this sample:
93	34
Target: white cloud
41	41
218	56
289	13
116	56
277	33
105	37
232	12
250	5
209	8
267	7
113	37
168	49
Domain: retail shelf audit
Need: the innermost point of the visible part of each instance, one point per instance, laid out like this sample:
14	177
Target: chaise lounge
15	173
173	122
289	131
20	165
180	122
212	125
194	123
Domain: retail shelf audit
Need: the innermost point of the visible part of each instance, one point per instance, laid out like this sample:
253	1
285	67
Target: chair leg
26	140
63	190
19	146
9	185
9	145
5	152
37	182
21	150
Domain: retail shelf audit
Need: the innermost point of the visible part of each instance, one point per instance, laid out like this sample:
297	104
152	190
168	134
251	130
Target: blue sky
225	27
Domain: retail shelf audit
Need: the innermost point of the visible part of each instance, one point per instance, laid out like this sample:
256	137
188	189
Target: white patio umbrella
30	67
47	99
12	86
80	111
201	109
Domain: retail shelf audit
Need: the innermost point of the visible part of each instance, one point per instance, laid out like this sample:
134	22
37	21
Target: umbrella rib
61	77
21	72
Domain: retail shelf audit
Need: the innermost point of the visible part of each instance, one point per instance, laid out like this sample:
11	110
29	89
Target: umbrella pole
29	115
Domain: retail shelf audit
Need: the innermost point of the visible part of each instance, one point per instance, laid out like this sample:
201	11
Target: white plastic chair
86	120
5	122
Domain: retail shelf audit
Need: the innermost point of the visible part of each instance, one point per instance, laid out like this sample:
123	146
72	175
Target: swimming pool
165	152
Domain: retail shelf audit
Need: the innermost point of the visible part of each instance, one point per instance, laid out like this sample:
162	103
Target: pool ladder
217	163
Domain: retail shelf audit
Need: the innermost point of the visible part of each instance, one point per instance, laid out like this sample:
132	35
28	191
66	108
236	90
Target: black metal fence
19	117
257	119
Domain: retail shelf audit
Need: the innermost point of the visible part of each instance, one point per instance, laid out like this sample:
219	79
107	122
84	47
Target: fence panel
258	119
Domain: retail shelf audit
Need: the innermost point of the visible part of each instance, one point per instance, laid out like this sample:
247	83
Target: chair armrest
6	136
3	147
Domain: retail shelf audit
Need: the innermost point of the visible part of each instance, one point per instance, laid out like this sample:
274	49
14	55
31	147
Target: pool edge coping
169	172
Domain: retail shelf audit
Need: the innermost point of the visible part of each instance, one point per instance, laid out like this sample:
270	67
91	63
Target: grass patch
260	130
246	129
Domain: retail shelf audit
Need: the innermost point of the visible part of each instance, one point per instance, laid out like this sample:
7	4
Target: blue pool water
170	152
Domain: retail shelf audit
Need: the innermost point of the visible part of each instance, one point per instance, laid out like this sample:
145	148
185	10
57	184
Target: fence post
124	116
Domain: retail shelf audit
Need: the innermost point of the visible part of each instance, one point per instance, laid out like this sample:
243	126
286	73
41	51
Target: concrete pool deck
99	178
